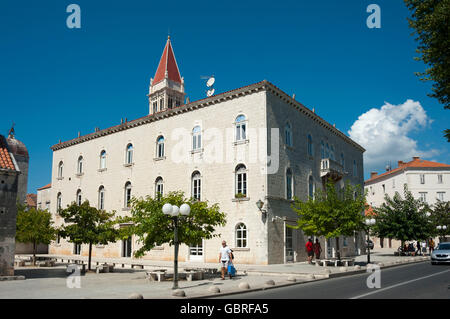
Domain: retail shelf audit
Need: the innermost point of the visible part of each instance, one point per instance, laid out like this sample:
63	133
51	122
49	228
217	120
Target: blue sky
56	81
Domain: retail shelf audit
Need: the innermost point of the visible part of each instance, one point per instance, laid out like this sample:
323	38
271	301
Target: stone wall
8	214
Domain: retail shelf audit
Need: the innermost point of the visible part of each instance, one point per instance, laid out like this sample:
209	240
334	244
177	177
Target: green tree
331	213
34	226
431	20
440	215
88	225
153	228
402	219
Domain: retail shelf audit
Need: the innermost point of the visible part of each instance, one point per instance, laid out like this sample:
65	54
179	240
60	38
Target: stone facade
9	183
222	156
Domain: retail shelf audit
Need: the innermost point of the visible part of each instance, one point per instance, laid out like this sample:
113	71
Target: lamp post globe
428	214
175	210
439	227
185	209
167	209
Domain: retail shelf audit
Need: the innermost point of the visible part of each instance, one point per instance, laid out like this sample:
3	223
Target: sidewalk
50	282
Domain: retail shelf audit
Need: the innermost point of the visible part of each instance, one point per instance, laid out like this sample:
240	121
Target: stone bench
45	263
156	275
335	262
137	265
104	268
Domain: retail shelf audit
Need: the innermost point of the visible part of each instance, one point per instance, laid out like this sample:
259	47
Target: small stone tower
20	152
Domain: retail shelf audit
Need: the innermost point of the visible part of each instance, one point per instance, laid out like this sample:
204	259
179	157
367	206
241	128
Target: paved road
420	280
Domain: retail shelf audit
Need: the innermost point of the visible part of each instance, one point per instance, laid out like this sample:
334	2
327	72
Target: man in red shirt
309	250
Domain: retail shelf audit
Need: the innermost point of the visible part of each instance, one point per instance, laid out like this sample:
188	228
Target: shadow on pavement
33	273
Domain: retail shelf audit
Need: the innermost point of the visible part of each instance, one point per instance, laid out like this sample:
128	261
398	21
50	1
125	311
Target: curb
324	277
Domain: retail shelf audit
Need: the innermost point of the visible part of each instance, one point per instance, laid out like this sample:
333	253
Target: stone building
427	180
254	143
9	182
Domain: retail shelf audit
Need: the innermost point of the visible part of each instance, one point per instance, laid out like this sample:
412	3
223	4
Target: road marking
400	284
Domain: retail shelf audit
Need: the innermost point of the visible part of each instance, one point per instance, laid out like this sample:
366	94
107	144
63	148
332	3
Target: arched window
289	184
241	236
129	154
332	152
241	180
127	200
342	160
159	187
241	128
322	150
327	151
288	134
310	145
103	159
355	168
311	187
60	169
196	138
78	198
101	197
80	165
160	147
196	185
58	202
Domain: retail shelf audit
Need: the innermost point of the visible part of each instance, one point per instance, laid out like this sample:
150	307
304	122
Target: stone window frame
241	126
103	154
241	169
288	169
127	195
160	147
101	197
196	176
288	134
159	185
129	154
241	237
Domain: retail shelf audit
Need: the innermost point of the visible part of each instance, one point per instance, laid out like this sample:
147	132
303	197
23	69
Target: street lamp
369	222
174	211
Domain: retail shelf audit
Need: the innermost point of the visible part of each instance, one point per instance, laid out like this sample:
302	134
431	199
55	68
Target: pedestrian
431	245
418	252
317	249
224	257
309	250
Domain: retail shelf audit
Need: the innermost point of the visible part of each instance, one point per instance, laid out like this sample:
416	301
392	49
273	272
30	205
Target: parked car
441	254
370	244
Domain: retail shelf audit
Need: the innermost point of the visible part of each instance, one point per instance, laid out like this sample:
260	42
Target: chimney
121	121
78	133
313	110
373	174
293	96
187	100
400	163
416	158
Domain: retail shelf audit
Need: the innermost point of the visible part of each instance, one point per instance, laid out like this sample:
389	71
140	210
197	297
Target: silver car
441	254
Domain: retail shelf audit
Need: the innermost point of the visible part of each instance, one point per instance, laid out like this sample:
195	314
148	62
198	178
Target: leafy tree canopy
431	23
153	228
403	219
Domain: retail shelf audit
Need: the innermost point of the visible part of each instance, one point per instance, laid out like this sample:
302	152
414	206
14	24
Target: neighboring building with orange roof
9	182
31	200
427	180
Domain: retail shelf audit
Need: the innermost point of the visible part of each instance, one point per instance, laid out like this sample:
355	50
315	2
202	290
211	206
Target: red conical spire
167	64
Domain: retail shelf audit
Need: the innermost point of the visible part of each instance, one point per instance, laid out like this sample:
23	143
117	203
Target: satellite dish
210	92
210	82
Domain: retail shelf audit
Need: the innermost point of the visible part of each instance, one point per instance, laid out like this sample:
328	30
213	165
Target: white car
441	254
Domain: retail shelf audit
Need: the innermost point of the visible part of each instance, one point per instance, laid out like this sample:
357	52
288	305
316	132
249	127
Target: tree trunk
338	253
89	258
34	253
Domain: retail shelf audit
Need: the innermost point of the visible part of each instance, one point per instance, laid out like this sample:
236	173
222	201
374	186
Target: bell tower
166	89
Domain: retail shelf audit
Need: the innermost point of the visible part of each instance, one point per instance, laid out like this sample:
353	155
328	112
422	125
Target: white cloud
384	134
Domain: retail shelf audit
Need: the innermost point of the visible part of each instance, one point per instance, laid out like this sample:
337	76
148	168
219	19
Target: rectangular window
155	107
423	197
439	178
128	197
422	178
440	196
76	249
126	247
196	188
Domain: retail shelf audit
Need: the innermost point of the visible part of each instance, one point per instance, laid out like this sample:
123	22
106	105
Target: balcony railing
331	168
